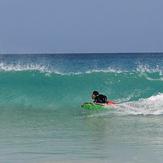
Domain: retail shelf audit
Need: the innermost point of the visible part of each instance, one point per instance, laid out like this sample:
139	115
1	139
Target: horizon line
51	53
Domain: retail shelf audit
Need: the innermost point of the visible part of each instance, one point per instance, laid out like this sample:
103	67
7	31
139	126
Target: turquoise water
41	119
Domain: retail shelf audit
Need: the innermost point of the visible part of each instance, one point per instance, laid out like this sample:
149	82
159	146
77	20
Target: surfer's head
94	94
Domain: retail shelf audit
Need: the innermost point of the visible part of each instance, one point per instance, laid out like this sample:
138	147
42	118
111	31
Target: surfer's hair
95	93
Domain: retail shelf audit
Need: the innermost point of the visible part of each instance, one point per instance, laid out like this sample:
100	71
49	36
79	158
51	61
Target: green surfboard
92	106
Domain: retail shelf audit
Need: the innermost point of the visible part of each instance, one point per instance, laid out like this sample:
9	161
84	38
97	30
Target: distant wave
48	69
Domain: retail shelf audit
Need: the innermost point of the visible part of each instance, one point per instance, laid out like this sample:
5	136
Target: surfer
99	98
99	102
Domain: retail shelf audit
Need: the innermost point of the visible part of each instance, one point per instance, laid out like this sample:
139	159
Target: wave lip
146	68
142	69
20	67
49	69
28	67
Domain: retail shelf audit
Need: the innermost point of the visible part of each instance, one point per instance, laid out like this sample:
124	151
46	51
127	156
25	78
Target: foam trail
150	106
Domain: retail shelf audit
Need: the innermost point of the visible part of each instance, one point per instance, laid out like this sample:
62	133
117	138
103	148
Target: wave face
54	82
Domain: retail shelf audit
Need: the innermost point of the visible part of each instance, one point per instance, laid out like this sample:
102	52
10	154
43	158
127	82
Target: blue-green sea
41	119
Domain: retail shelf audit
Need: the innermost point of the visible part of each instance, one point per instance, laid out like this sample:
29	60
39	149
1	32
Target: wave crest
50	69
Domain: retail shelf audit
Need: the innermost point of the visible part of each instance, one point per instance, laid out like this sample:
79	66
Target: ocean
41	119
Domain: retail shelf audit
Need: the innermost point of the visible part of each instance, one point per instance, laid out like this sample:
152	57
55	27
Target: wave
43	68
37	90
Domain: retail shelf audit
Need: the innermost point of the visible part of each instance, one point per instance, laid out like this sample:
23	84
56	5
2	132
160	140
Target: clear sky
47	26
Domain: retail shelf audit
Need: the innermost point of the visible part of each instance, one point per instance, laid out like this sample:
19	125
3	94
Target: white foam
147	69
109	69
48	69
28	67
149	106
141	69
20	67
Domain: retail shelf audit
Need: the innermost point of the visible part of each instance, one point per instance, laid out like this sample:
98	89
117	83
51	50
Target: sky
81	26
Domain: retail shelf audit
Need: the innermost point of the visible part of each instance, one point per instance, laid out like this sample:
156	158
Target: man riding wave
99	98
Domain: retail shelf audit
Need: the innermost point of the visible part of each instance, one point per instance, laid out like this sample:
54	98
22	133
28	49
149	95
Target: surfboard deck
95	106
92	106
